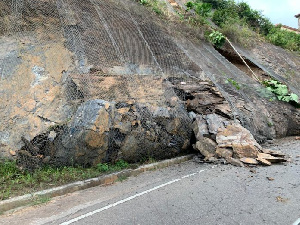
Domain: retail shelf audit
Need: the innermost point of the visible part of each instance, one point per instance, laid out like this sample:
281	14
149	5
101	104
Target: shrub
284	39
202	9
281	91
240	33
217	39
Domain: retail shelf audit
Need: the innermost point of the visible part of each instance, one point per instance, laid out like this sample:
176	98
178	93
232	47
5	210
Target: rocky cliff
96	81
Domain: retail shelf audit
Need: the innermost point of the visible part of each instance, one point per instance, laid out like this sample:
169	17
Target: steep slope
100	80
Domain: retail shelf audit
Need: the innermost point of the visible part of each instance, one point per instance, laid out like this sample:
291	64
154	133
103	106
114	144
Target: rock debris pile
218	135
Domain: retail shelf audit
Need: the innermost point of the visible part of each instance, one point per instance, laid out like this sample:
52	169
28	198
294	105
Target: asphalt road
189	193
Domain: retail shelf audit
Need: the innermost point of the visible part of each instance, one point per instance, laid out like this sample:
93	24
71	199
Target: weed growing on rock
281	91
234	83
217	39
144	2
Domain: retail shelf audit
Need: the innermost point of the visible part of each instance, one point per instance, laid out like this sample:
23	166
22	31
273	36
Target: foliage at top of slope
239	20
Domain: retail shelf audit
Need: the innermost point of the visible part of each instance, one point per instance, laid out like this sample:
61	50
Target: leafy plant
234	83
217	39
281	91
144	2
284	39
202	9
102	167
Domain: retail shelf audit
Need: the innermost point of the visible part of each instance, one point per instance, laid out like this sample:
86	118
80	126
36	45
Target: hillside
99	80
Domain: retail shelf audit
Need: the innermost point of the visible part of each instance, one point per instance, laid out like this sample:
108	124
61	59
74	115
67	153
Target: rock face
102	131
96	82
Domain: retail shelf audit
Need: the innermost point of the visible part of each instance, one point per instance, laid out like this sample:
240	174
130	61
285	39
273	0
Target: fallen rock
224	152
206	146
249	161
264	162
235	134
273	153
244	150
239	139
235	162
271	158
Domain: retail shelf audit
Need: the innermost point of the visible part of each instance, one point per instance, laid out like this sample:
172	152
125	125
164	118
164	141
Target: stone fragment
200	127
244	150
249	161
12	153
224	109
281	199
264	162
273	153
206	146
240	140
224	152
271	158
235	162
214	123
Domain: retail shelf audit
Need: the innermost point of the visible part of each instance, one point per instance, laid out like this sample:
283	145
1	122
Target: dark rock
100	132
235	162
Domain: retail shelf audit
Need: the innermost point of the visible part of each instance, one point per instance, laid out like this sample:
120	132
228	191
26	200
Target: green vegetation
200	8
156	5
242	24
285	39
217	39
281	91
14	181
234	83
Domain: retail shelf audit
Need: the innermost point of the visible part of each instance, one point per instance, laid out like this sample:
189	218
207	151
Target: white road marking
297	222
131	198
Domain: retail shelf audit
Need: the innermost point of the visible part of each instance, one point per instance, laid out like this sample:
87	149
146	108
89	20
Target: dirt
233	57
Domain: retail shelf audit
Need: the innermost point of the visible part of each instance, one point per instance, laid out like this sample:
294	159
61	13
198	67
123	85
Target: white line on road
297	222
130	198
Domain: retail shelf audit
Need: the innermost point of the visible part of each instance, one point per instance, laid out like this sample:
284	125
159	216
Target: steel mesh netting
115	51
118	52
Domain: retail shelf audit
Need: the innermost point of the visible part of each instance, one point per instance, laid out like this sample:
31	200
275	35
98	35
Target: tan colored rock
264	162
244	150
240	140
249	161
12	153
224	152
271	158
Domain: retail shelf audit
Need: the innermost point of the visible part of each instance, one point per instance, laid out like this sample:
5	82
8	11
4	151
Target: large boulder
102	131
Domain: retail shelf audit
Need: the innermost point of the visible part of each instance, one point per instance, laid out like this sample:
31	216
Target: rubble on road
234	143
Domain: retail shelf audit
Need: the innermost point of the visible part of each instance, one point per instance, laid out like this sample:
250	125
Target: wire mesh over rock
102	131
110	79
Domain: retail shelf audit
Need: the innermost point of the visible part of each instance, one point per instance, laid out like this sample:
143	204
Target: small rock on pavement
249	161
235	162
270	178
271	158
264	162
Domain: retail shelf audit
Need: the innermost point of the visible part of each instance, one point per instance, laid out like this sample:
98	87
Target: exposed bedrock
102	131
